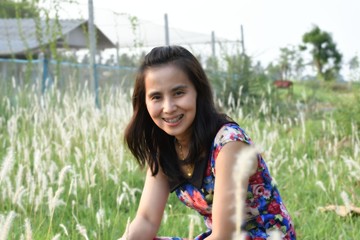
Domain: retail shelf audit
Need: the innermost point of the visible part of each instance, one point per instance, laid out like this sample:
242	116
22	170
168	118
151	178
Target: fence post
45	73
167	38
92	41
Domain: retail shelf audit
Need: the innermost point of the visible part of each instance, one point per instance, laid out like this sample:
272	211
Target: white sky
268	24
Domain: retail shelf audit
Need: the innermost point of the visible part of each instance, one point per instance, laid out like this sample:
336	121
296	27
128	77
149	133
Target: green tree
326	57
19	9
289	65
354	67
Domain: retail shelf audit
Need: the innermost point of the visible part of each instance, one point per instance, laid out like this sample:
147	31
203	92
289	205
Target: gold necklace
180	151
187	167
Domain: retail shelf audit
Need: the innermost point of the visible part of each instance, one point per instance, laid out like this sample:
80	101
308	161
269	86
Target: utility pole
242	40
213	43
167	39
92	42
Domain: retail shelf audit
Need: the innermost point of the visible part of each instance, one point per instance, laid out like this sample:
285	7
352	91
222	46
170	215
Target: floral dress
265	211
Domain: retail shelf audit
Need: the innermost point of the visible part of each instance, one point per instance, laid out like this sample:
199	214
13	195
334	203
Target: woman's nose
169	105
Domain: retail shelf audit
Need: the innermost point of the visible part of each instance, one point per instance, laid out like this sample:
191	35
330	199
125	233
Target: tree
325	55
289	65
354	67
19	9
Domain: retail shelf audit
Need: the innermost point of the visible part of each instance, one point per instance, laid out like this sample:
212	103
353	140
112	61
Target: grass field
65	173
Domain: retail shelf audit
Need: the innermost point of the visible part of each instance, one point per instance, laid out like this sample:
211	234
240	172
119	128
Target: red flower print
259	220
258	190
199	203
216	152
256	178
274	207
208	170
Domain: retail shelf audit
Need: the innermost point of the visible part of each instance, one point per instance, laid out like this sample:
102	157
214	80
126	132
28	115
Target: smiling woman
191	149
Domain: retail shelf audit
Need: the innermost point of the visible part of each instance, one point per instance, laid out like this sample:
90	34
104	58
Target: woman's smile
174	119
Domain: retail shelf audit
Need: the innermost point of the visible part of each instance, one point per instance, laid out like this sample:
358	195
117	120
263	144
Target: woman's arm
151	208
224	203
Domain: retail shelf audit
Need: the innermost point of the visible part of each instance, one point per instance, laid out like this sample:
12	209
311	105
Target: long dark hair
148	143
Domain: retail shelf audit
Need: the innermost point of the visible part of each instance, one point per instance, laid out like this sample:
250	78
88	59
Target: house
20	38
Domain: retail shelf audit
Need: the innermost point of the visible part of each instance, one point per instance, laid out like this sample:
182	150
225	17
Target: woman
190	148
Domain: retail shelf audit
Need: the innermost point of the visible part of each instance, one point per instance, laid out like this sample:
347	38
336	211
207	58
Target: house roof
21	36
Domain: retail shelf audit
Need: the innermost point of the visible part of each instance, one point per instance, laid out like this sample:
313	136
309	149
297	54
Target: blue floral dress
265	211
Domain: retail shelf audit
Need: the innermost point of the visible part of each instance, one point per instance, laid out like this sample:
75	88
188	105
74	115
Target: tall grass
65	173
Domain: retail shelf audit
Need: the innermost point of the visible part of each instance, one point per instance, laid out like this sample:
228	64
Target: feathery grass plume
82	230
100	217
130	191
56	237
4	229
127	230
17	197
275	234
191	229
89	201
346	201
19	175
28	231
54	201
7	164
321	185
244	168
64	229
62	174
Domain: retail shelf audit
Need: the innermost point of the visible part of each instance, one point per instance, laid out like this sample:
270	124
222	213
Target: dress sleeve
228	133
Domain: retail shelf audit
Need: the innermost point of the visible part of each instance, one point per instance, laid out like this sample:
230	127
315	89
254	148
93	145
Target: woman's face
170	100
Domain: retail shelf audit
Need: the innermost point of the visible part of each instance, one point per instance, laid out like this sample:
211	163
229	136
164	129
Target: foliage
290	63
347	112
65	173
326	57
354	67
19	9
239	79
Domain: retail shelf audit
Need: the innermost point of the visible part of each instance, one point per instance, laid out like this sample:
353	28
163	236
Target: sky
268	25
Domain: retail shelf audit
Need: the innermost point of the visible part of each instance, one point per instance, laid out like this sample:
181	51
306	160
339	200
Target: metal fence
41	74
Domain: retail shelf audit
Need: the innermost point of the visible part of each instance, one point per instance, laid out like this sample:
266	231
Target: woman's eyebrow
153	93
179	87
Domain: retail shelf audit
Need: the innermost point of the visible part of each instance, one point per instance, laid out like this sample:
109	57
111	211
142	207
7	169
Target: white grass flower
54	201
28	231
89	201
82	230
19	175
321	185
5	228
7	164
123	197
131	191
62	174
127	230
64	229
18	197
56	237
275	234
191	229
346	201
244	168
100	217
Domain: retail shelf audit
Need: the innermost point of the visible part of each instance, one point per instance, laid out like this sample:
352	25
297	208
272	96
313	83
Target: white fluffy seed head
244	168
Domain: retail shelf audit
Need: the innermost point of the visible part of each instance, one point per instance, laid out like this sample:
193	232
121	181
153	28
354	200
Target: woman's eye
155	97
179	93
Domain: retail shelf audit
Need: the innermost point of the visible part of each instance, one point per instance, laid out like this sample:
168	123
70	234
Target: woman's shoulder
231	132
